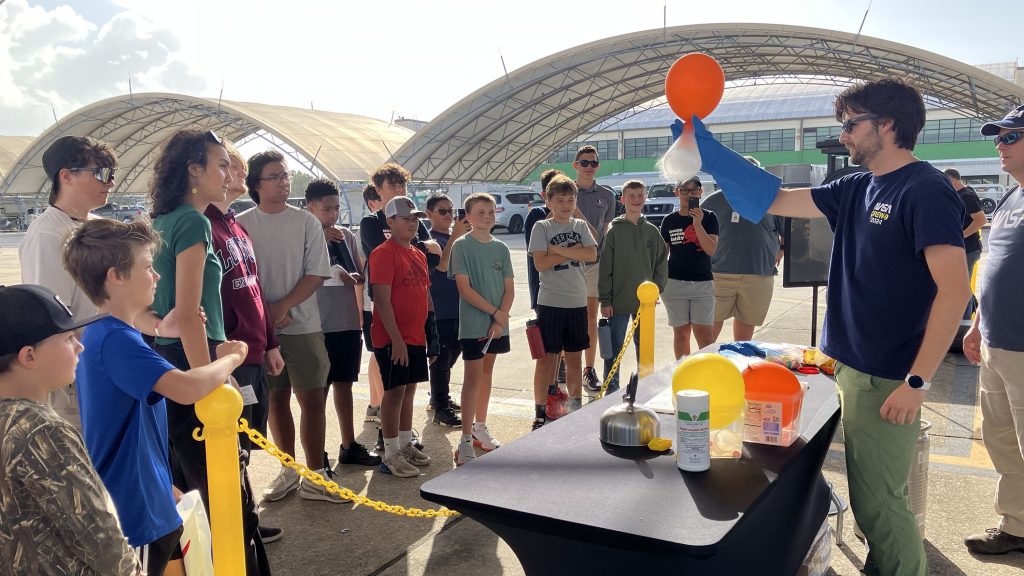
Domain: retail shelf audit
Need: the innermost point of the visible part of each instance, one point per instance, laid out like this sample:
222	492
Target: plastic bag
196	539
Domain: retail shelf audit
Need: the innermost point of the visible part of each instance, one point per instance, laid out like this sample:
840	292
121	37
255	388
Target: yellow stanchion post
219	413
647	293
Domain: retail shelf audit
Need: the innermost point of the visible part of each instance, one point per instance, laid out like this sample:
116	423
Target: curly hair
171	180
256	164
319	188
390	172
891	99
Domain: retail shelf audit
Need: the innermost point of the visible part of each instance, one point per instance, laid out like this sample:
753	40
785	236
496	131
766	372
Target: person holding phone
692	237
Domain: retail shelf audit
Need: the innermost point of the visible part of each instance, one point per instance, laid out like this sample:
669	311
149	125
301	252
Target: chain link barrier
289	462
625	346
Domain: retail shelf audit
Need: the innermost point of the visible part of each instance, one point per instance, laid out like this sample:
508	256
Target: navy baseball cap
1014	120
30	314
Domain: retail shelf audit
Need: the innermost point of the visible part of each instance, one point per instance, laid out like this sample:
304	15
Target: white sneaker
397	464
464	453
483	439
310	491
286	481
415	456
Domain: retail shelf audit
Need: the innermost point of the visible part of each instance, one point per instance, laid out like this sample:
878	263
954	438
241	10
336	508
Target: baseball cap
31	314
402	206
60	153
1013	120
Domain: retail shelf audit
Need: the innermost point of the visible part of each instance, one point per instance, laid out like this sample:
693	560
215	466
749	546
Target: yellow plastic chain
288	462
625	346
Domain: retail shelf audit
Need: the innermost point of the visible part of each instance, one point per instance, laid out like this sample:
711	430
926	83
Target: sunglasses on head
1008	138
850	124
105	175
588	163
212	137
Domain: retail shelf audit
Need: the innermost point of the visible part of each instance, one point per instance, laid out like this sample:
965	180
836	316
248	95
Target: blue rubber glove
749	189
677	130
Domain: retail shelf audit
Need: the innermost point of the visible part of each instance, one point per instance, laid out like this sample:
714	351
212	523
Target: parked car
512	207
989	194
661	201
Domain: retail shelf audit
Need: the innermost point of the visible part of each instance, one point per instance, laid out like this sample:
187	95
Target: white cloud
56	58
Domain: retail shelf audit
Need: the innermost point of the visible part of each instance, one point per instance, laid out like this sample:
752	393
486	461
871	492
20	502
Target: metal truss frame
505	129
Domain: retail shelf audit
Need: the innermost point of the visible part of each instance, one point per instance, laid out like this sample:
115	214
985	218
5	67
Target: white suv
661	201
512	207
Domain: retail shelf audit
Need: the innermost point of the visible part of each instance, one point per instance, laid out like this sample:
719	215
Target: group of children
292	293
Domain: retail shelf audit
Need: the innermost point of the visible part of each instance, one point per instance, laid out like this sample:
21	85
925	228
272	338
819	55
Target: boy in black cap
56	517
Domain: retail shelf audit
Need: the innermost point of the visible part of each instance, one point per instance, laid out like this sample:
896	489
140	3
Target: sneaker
538	422
286	481
994	541
483	439
414	456
453	406
270	534
397	465
591	380
464	453
446	417
357	454
372	414
310	491
379	446
560	378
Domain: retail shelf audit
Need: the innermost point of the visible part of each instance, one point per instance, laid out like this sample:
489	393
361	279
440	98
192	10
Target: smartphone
693	203
461	214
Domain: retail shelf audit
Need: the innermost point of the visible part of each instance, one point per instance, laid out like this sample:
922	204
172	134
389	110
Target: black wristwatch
918	383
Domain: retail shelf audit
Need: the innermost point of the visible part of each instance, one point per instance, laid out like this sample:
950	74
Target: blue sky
413	59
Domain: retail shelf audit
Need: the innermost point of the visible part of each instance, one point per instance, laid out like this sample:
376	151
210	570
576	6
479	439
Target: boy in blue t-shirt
482	268
123	383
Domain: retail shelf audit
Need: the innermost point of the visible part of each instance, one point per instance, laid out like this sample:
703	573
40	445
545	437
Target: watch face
915	381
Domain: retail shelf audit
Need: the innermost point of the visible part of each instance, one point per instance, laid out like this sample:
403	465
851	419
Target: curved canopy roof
341	146
505	129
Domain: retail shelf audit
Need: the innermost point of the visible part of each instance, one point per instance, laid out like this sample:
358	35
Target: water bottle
604	339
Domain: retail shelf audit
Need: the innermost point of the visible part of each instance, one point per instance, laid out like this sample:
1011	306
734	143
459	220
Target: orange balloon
694	86
770	382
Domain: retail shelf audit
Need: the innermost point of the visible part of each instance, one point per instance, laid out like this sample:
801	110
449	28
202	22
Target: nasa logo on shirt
880	213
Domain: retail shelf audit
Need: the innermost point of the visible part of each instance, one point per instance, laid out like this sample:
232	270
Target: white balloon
682	160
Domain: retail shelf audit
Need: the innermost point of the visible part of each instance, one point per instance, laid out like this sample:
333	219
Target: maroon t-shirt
245	318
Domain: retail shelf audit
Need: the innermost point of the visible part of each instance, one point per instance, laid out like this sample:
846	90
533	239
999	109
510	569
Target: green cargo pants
878	459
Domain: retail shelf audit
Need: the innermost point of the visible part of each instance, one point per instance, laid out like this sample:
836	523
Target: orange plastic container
774	399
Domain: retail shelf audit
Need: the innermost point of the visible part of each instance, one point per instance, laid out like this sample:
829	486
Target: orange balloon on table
694	85
770	382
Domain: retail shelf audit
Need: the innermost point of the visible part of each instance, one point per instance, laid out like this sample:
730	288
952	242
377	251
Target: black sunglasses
1008	138
589	163
444	211
850	124
105	175
212	136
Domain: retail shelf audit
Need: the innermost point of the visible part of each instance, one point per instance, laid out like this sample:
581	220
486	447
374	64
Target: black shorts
367	321
159	552
345	352
473	349
396	375
563	329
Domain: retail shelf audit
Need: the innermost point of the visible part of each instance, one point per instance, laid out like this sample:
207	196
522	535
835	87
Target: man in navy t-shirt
996	340
897	289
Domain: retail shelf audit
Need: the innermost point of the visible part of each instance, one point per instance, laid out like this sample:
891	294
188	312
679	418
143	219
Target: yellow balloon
720	378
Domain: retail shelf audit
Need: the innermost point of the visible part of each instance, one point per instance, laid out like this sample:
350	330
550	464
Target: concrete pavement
323	538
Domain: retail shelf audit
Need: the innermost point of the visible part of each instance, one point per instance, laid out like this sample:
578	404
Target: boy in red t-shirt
398	277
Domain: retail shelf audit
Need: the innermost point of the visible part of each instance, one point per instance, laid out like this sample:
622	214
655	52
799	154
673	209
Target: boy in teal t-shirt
482	269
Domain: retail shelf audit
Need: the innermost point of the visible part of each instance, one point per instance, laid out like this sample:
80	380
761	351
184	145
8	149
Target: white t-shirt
289	245
40	257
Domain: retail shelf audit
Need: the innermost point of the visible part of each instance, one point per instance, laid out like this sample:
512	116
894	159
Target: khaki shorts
306	364
591	271
745	297
689	302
